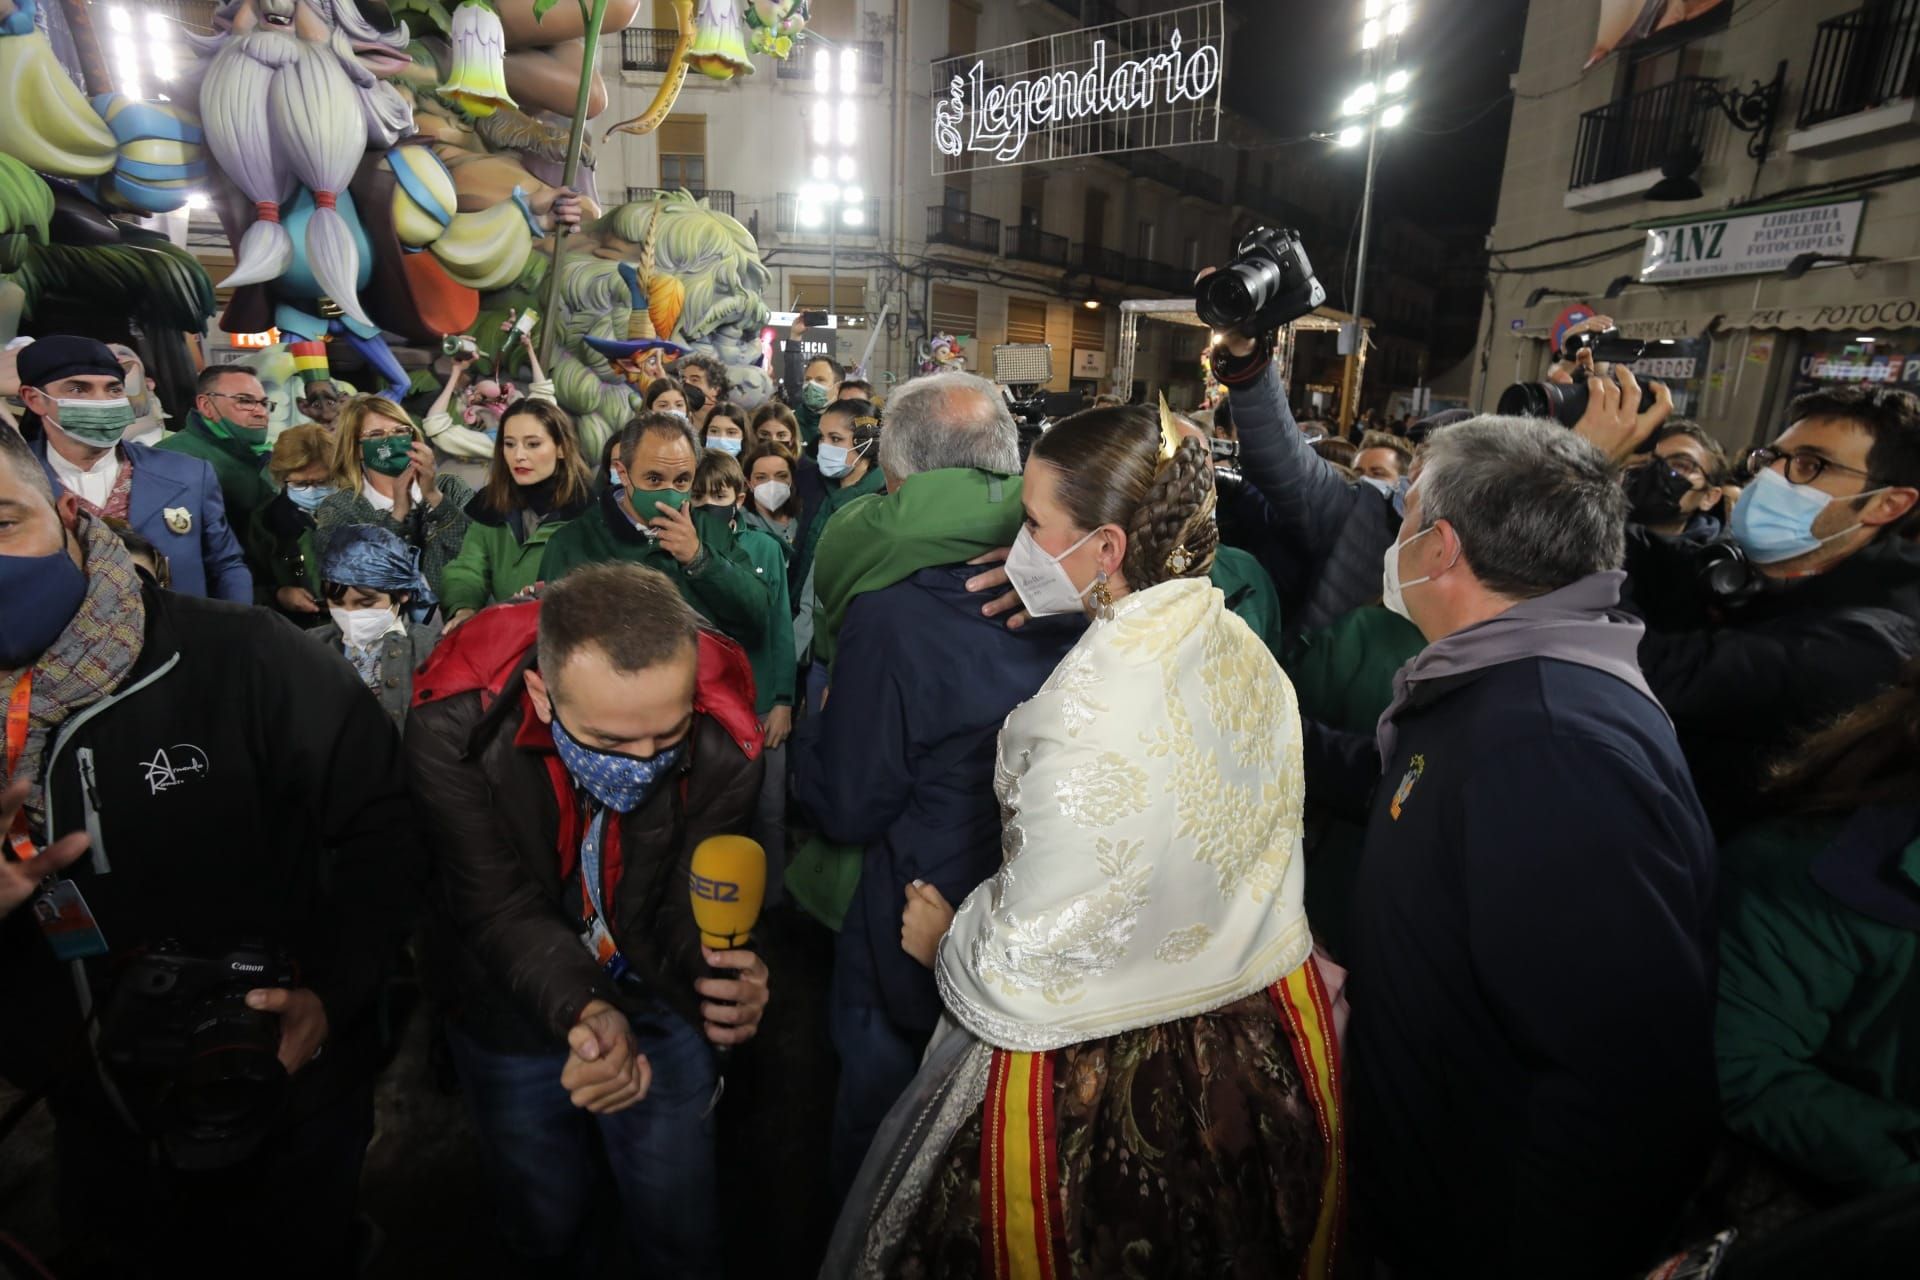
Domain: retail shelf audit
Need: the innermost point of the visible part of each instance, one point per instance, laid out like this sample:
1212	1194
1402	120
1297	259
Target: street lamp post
1380	104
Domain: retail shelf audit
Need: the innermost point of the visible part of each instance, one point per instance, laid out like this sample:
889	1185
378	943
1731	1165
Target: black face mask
1654	491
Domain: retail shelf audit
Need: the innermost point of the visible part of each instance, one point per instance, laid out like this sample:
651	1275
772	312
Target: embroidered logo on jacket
1415	767
171	766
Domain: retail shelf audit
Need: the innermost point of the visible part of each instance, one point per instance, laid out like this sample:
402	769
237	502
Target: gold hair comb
1169	434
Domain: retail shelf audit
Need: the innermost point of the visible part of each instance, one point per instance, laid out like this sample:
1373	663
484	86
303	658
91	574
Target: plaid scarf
118	497
92	656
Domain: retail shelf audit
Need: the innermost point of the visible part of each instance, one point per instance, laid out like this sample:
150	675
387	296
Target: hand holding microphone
727	882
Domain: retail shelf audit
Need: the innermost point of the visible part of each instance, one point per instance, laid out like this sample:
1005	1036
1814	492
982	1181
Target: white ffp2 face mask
1043	584
1391	588
772	494
361	627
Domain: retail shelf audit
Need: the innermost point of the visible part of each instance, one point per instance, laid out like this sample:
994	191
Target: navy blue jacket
901	761
1530	1060
204	556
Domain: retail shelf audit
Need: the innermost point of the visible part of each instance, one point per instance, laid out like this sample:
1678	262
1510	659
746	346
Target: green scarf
934	518
248	445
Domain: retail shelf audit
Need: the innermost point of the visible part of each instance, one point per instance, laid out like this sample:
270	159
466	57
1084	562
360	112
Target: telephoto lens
1565	403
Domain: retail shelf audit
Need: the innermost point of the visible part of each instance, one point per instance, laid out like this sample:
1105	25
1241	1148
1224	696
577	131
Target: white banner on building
1749	243
1141	83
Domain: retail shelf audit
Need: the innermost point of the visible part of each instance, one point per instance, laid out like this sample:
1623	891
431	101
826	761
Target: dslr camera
1566	403
1268	283
198	1068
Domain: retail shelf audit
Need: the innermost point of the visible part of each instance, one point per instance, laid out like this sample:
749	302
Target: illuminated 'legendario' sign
1145	82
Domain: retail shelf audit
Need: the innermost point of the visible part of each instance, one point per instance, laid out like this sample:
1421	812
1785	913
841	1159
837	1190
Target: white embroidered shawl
1151	798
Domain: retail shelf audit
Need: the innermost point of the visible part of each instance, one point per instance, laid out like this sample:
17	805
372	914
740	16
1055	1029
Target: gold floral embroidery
1102	791
1183	945
1056	953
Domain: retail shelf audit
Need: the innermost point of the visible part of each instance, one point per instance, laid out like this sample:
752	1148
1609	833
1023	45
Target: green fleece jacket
495	562
720	584
1817	1032
240	469
772	657
836	500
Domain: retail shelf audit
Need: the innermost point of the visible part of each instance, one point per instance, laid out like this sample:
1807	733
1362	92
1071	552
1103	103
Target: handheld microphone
727	882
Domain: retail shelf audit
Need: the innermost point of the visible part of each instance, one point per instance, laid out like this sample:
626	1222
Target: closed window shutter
1089	330
683	136
955	310
810	292
1026	320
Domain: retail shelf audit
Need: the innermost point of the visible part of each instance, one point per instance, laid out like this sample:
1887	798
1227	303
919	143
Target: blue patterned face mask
620	782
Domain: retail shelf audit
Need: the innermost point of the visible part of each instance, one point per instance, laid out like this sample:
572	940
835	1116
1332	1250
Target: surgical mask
388	455
1392	590
814	395
361	627
772	494
98	423
678	415
42	594
308	497
620	782
835	461
1773	521
725	444
1041	580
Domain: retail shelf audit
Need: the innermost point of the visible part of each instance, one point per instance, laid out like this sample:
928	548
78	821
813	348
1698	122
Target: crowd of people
1477	847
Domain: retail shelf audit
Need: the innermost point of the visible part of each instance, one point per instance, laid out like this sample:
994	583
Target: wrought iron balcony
958	227
870	60
1110	263
1638	132
647	48
1159	275
1031	244
1862	60
788	222
718	201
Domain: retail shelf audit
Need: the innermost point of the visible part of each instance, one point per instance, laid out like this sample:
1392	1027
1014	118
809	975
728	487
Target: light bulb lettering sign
1138	84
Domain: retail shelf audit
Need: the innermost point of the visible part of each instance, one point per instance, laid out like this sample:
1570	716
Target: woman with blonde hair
384	474
1137	1072
537	482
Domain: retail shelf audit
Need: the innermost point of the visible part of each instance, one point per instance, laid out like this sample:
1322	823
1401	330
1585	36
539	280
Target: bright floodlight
1351	135
852	195
822	72
1374	7
1398	17
845	168
117	18
820	167
848	63
1393	115
1397	82
197	200
1370	35
809	215
853	217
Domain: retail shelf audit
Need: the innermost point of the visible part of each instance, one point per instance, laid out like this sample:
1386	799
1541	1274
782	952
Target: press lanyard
18	705
594	931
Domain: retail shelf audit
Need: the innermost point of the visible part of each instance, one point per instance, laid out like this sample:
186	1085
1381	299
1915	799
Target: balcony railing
1031	244
1636	133
1159	275
1862	60
870	61
787	220
647	48
958	227
718	201
1110	263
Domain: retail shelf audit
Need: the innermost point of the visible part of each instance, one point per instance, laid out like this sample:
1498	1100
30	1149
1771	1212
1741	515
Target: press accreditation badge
67	921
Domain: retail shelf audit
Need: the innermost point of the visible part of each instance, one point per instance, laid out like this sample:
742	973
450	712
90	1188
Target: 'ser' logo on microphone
713	890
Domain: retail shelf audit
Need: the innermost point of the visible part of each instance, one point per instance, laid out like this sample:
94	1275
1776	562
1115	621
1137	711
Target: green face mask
95	422
643	500
387	455
815	395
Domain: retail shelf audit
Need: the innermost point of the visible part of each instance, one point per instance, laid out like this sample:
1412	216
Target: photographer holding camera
194	994
1808	608
1318	533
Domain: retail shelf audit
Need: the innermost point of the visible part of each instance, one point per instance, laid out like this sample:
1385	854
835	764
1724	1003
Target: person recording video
210	867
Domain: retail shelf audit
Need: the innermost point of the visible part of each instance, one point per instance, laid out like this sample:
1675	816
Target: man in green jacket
644	519
228	430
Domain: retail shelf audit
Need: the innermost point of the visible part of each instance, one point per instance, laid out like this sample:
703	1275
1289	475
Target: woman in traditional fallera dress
1137	1075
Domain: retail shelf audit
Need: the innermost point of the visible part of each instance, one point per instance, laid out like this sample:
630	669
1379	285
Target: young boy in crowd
373	586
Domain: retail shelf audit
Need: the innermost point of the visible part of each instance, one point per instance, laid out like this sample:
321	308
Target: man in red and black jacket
567	777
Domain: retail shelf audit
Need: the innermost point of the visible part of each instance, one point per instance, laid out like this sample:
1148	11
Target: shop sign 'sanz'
1143	83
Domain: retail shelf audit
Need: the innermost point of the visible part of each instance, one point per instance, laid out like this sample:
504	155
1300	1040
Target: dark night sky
1294	60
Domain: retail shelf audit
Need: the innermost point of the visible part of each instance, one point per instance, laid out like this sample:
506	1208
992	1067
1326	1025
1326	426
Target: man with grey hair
897	770
1530	1060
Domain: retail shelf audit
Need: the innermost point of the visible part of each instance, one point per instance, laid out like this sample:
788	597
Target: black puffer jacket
507	958
242	783
1744	683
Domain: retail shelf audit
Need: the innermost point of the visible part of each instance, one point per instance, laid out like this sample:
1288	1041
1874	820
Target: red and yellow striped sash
1023	1224
1307	1013
1023	1228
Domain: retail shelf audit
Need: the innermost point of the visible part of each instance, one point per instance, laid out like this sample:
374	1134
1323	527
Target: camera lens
1554	400
1232	297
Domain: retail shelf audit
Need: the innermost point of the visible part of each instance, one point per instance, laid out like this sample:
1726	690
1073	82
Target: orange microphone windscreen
728	881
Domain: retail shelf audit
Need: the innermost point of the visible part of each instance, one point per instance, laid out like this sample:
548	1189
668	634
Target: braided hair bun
1111	472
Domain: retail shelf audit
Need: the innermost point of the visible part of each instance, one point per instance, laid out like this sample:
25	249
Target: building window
1026	320
1089	330
683	152
1033	198
1143	240
955	310
809	293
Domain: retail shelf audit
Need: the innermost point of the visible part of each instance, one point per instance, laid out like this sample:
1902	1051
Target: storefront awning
1877	313
1637	327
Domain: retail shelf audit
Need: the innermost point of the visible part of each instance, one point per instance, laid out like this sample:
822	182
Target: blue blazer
205	558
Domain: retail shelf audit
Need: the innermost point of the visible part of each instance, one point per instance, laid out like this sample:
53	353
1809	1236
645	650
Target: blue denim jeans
878	1057
541	1161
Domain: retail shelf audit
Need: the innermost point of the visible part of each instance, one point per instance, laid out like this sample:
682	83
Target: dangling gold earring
1102	598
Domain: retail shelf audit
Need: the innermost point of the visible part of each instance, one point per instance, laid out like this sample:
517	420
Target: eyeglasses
246	402
1803	466
1683	465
